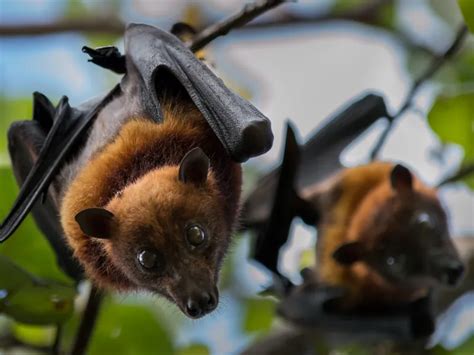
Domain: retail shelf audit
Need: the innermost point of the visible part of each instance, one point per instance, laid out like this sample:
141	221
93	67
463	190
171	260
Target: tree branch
247	14
435	65
86	25
464	171
88	321
368	14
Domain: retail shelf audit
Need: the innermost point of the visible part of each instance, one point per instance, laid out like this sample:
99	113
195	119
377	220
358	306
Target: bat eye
195	235
147	259
424	220
395	262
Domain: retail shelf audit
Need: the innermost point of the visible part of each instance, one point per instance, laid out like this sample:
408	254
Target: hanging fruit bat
382	236
275	201
356	276
383	246
145	180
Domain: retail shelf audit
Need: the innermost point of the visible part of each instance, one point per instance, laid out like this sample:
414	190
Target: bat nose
200	304
454	271
450	269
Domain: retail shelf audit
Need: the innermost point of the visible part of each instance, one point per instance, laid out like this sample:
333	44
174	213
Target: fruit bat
275	201
166	94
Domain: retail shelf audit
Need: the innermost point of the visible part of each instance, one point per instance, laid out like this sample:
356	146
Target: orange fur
139	170
351	198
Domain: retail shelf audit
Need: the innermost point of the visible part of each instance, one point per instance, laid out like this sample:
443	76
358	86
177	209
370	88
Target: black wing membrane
306	306
285	205
69	126
25	140
154	56
319	157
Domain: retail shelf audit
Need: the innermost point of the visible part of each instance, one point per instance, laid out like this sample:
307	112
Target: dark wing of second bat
319	157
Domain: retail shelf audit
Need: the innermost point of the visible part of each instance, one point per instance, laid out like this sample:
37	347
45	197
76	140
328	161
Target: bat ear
401	178
349	253
194	167
96	222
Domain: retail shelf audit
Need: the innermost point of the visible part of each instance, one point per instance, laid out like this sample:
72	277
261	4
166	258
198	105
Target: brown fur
141	166
352	198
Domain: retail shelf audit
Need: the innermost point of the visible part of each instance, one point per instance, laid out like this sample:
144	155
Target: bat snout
197	299
454	273
451	271
201	304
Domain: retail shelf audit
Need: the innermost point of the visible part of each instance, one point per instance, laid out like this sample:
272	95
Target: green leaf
11	110
467	10
452	119
41	303
12	278
259	314
33	334
30	300
129	329
27	246
194	349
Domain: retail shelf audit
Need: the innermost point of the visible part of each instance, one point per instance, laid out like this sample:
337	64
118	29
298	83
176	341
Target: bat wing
155	59
307	307
319	157
25	140
272	234
64	128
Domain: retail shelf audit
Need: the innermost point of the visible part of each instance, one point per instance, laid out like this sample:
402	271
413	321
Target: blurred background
301	62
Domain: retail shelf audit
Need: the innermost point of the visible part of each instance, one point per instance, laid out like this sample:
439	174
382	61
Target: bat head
402	234
167	233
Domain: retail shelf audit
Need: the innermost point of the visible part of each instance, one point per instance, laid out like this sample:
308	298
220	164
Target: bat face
420	252
166	234
409	243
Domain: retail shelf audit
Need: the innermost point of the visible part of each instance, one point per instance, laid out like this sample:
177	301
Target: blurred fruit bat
275	201
52	149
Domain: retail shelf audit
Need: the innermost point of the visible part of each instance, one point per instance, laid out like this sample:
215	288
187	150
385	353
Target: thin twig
435	65
367	13
88	321
247	14
464	171
91	25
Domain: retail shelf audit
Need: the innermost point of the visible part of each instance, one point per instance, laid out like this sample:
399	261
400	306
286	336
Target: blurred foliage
195	349
465	349
259	314
53	302
12	109
129	329
140	327
452	119
27	246
467	9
